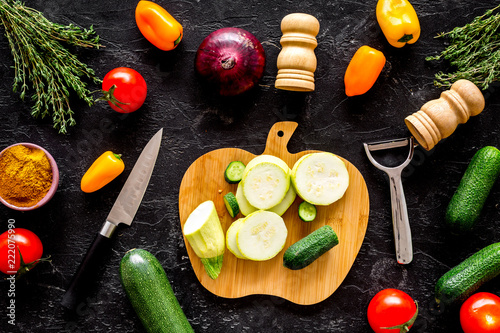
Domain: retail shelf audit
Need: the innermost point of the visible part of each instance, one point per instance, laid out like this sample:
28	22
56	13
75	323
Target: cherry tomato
124	89
18	239
480	313
391	308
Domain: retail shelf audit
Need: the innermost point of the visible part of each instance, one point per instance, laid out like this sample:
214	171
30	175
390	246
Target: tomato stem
26	267
109	96
405	327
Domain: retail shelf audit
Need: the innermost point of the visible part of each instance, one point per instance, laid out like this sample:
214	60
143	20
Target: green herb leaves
474	50
42	63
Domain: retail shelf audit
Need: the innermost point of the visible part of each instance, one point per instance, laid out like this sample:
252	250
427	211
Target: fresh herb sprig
44	65
474	50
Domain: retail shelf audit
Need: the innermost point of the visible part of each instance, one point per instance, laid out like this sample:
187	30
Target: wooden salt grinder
438	119
297	61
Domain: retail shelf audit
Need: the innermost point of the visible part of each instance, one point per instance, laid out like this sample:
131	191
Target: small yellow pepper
363	70
157	25
106	168
398	21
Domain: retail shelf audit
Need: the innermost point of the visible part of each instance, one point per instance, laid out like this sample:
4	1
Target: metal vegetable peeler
401	225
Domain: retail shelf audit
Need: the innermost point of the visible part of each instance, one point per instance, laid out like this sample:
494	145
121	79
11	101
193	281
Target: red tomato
390	308
14	240
480	313
125	89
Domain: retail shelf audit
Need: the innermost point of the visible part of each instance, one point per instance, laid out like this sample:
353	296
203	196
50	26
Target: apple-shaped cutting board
204	180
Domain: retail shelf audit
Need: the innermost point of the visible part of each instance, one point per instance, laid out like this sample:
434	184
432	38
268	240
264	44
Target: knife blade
122	212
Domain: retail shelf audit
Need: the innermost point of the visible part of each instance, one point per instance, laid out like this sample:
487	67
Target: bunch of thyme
44	64
474	51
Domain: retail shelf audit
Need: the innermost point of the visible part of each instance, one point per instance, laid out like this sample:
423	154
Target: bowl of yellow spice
28	176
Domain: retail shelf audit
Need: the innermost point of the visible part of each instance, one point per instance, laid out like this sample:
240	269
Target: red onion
232	59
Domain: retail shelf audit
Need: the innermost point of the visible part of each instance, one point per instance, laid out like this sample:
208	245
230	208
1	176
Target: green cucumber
231	204
234	172
464	279
310	248
466	204
307	211
150	293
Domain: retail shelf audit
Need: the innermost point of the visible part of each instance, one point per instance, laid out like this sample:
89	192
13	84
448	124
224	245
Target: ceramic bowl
53	187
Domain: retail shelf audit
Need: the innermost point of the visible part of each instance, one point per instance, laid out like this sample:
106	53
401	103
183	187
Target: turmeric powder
25	175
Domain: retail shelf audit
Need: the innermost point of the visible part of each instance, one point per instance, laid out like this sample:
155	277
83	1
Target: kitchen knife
123	211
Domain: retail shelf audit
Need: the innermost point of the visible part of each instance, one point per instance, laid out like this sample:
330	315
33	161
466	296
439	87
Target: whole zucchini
464	279
150	293
466	204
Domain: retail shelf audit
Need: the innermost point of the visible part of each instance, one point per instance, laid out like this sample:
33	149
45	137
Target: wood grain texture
204	180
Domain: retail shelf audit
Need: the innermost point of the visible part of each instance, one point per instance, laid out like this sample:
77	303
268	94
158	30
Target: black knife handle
80	283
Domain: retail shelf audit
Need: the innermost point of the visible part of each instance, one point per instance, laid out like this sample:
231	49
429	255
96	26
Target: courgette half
266	181
151	294
204	233
320	178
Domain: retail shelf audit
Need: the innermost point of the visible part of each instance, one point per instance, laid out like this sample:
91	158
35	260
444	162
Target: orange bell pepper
106	168
363	70
157	25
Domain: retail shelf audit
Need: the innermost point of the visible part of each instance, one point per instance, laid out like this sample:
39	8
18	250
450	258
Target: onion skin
232	59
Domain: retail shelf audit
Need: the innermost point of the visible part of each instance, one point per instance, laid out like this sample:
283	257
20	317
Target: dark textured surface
196	122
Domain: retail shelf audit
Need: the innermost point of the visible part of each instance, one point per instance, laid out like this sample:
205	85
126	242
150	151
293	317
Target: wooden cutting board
204	180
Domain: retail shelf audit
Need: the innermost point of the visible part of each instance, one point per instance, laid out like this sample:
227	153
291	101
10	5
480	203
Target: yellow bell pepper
106	168
398	21
157	25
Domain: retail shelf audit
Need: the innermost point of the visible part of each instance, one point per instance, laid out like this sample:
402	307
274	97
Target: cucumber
245	207
307	211
231	204
266	180
466	204
310	248
320	178
205	235
150	293
234	172
464	279
231	243
261	236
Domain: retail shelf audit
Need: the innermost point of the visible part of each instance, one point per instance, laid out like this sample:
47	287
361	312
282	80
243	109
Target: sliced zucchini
287	201
307	211
204	233
231	243
234	172
320	178
231	204
245	207
266	181
261	236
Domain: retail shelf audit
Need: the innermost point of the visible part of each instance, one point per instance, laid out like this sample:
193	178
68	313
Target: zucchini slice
234	172
320	178
231	244
287	201
245	207
262	235
307	211
204	233
266	181
231	204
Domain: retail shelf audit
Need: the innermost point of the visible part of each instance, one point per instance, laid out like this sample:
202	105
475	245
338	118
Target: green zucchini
150	293
310	248
234	172
464	279
466	204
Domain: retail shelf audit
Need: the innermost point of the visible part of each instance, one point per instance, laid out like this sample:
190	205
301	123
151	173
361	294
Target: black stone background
196	121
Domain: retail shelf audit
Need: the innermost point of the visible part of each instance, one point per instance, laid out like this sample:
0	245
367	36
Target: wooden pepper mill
438	119
297	61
